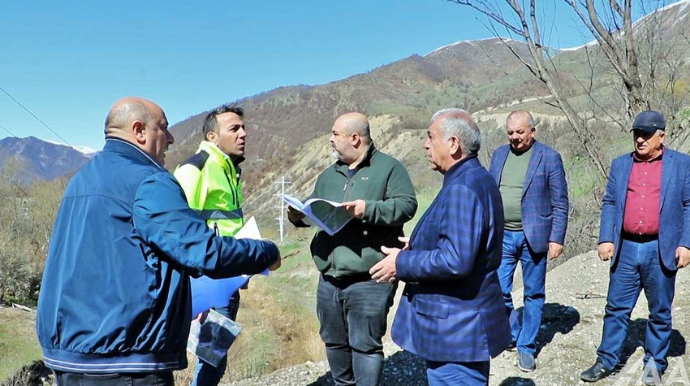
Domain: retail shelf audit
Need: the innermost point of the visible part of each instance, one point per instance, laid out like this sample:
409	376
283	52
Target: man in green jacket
352	309
211	182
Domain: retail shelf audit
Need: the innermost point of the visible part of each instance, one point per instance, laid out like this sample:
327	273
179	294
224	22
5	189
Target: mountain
30	159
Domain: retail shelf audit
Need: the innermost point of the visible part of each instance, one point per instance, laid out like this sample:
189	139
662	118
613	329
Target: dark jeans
457	373
115	379
206	374
353	321
524	332
638	268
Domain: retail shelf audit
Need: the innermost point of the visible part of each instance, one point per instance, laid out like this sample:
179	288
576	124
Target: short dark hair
211	122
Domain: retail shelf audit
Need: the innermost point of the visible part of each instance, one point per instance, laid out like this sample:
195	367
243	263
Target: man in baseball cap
646	243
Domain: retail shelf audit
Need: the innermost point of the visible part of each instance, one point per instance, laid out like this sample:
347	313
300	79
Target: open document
207	292
327	215
210	338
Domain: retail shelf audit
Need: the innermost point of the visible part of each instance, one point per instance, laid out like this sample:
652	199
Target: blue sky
68	61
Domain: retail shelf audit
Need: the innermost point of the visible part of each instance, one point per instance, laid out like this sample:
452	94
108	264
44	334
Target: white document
327	215
250	230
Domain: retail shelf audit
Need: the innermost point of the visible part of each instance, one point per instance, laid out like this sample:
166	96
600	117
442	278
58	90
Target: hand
384	271
355	208
605	251
294	215
555	250
276	265
682	257
201	317
405	240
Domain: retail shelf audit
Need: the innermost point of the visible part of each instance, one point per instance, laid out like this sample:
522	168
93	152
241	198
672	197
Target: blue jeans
638	268
115	379
457	373
353	321
515	248
206	374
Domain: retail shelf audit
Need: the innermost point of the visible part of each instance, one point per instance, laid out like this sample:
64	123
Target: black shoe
595	373
512	347
651	376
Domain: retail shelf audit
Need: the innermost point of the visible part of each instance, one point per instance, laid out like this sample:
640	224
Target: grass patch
18	341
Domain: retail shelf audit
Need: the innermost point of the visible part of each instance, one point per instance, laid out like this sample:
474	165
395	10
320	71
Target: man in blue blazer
645	233
451	312
532	182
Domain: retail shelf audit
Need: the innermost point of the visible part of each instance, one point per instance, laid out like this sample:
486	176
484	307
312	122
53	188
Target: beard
336	155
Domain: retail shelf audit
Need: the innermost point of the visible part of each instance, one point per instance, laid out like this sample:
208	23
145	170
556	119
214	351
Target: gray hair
459	123
517	114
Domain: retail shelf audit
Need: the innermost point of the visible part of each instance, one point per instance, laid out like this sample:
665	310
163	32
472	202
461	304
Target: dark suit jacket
452	309
674	221
544	203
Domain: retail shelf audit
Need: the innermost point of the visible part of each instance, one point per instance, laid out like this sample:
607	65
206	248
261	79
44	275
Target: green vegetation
18	343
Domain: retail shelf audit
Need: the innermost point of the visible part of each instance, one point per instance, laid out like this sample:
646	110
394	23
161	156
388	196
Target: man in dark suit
645	233
451	312
532	182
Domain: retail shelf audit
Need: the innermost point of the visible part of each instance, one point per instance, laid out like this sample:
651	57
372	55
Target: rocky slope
570	333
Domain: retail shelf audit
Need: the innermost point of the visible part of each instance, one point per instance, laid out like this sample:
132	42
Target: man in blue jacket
451	312
115	303
532	182
645	233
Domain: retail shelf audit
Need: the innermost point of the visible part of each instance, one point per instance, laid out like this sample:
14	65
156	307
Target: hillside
31	159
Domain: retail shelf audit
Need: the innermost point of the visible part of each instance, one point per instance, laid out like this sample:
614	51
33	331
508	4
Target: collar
340	165
458	168
657	158
214	151
518	154
122	146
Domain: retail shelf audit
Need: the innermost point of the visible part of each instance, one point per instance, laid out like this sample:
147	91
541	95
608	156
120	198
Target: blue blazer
452	309
674	220
544	203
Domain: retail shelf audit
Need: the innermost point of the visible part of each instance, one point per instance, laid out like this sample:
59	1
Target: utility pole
281	207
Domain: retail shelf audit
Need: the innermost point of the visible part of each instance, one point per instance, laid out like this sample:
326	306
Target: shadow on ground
556	318
636	338
517	381
401	368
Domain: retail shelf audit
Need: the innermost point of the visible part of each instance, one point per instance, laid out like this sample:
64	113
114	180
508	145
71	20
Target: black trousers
115	379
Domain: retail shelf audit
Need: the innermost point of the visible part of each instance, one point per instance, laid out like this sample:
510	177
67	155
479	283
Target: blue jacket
544	203
452	309
115	294
674	221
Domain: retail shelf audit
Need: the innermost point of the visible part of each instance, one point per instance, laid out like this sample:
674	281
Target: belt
639	238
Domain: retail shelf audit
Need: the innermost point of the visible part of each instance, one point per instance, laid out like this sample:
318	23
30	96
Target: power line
34	115
8	132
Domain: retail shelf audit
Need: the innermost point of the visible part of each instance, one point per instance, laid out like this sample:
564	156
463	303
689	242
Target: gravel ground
567	342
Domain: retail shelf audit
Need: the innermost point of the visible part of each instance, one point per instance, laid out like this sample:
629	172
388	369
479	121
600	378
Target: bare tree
618	39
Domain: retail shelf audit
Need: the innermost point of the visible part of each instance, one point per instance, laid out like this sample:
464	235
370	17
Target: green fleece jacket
384	184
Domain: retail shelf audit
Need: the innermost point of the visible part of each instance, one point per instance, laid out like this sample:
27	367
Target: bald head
520	130
142	123
125	111
354	123
350	138
521	116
